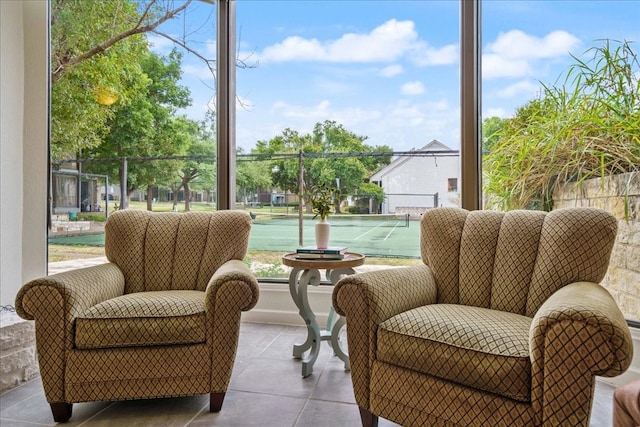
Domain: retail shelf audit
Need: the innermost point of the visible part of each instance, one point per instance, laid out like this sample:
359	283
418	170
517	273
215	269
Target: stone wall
620	195
18	361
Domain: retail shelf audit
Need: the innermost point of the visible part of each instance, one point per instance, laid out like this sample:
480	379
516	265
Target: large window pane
132	118
337	81
560	107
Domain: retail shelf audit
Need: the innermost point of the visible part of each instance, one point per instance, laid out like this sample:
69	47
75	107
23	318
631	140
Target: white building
415	182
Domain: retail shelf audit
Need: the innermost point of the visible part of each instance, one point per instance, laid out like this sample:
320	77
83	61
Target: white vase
323	228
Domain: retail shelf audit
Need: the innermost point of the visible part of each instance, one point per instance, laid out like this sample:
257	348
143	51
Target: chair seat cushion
143	319
472	346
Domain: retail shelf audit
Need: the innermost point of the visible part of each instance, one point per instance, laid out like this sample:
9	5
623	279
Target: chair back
172	251
513	261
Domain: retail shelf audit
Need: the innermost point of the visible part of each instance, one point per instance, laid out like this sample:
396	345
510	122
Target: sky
389	70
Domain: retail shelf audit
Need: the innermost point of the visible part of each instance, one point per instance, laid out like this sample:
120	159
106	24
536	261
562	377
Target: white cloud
426	55
158	44
494	65
496	112
200	71
411	115
333	87
515	53
388	42
294	48
391	70
525	87
357	118
517	44
316	112
384	43
303	117
210	48
410	125
403	125
412	88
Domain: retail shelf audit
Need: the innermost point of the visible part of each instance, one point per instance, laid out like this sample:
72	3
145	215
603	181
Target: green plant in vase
322	199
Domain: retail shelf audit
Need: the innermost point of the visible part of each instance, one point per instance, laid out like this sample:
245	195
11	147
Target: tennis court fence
336	220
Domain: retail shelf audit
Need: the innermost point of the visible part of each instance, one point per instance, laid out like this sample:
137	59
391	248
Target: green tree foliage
95	48
147	126
491	127
199	172
586	126
78	120
284	170
251	177
327	137
373	191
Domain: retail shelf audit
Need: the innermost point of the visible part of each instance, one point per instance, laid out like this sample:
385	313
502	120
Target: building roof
432	146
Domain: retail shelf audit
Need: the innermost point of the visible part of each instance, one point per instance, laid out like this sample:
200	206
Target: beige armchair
160	319
503	323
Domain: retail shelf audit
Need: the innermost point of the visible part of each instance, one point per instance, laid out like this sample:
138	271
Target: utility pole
123	184
300	197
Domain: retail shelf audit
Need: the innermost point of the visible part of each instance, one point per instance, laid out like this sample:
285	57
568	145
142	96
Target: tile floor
266	390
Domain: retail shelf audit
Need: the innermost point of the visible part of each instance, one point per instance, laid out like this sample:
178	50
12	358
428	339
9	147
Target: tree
82	84
198	169
373	192
491	127
284	170
146	126
84	29
344	171
252	176
95	46
347	173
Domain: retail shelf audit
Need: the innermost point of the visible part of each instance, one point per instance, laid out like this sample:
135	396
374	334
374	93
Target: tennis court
373	235
379	235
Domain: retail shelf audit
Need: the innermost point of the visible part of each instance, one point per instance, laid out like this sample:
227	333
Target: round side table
306	273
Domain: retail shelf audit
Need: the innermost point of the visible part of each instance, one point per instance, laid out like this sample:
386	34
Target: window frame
470	104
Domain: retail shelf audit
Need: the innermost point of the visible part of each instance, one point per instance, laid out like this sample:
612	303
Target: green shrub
584	127
86	216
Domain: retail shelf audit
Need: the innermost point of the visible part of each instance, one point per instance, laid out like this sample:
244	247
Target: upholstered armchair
503	323
160	319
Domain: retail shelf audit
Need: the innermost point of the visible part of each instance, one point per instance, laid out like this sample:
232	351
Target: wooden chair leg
368	419
215	401
61	411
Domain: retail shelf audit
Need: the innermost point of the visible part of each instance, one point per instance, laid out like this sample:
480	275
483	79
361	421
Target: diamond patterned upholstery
504	322
143	319
160	319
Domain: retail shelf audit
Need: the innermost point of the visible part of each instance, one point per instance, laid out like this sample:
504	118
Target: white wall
23	144
420	175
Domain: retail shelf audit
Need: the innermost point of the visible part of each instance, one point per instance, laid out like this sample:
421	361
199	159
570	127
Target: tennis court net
336	220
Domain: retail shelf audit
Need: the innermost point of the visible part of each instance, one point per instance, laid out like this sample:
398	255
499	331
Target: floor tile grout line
204	408
24	422
95	415
297	420
18	387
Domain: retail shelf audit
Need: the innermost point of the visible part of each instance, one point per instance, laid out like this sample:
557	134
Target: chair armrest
65	295
54	302
231	290
382	294
579	332
236	284
596	322
367	299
